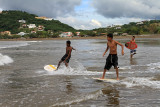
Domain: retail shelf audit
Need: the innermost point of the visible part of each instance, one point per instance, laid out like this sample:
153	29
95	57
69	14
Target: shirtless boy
67	56
112	59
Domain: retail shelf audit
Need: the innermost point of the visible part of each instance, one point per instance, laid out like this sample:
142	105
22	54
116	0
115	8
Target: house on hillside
66	35
33	31
41	28
24	26
6	33
31	26
22	21
78	33
139	23
124	34
22	33
44	18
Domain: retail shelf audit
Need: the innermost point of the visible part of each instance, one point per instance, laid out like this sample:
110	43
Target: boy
112	59
133	52
67	56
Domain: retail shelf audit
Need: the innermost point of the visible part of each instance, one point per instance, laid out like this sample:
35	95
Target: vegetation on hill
133	28
9	22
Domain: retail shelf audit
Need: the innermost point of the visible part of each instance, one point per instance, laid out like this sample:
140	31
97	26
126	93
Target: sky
89	14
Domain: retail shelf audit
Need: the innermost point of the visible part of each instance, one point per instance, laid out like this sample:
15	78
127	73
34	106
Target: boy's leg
59	64
117	72
66	64
104	72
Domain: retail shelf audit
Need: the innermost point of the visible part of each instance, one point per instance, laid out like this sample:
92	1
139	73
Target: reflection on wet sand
133	61
68	85
112	96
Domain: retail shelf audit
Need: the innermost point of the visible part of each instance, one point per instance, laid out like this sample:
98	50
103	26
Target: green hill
9	22
133	28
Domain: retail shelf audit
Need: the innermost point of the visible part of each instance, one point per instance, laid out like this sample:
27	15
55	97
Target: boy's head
109	36
133	37
68	43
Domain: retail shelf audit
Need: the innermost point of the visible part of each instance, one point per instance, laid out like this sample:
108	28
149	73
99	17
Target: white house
139	23
31	26
48	19
21	33
78	33
22	21
66	34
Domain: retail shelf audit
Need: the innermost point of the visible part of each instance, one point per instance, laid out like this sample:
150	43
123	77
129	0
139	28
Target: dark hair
110	35
133	36
68	42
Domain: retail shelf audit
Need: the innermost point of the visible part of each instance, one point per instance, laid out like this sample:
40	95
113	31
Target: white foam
154	65
14	45
33	41
4	59
71	71
140	81
125	67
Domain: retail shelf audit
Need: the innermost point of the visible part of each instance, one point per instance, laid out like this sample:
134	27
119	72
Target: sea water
24	82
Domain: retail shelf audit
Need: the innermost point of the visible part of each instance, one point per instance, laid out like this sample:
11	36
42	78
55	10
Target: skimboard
130	45
107	80
50	68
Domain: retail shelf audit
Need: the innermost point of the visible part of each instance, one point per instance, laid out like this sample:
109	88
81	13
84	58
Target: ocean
24	82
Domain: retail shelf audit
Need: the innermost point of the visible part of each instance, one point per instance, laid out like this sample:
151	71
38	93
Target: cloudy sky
89	14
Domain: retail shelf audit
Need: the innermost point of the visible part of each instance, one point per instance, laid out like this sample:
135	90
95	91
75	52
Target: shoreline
81	38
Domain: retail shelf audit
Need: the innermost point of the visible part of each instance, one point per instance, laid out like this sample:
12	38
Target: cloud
79	23
49	8
96	23
128	8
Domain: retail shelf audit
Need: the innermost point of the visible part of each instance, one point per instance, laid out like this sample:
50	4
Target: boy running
133	52
112	59
67	56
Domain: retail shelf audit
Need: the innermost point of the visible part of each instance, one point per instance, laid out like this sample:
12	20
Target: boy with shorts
112	59
132	52
67	56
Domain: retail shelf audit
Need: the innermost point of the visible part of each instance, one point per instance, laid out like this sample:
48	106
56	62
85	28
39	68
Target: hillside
133	28
9	22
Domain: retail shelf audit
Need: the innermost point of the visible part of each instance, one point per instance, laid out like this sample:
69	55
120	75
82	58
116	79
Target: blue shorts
133	51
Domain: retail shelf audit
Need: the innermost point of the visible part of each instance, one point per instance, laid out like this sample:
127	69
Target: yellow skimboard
106	80
50	68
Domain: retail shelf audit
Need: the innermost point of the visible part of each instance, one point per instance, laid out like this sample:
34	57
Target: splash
140	81
4	59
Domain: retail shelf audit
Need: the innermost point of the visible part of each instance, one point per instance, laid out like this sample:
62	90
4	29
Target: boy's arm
73	48
121	46
106	50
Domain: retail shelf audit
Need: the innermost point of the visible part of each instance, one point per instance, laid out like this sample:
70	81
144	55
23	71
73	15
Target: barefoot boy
112	59
67	56
133	52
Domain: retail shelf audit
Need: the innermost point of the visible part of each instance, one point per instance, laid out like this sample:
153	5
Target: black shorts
112	60
64	57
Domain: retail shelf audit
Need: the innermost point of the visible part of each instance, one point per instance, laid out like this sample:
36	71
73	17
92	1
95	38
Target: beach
25	83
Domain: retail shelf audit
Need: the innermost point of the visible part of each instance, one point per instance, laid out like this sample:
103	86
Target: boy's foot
117	78
101	78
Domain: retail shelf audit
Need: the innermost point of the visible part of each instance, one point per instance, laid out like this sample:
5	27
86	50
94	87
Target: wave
13	44
4	59
140	81
154	65
81	98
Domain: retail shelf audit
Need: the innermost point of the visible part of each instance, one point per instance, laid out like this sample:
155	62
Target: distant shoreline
79	38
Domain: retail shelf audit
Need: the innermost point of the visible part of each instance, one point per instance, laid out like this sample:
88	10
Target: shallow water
24	83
